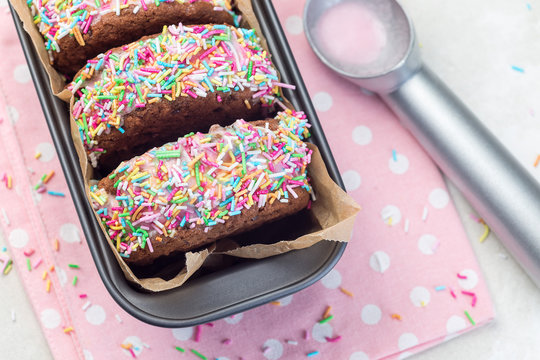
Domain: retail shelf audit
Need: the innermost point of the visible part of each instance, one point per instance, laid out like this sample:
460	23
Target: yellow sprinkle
248	105
48	177
44	275
68	330
327	312
48	287
396	316
98	199
486	232
346	292
197	158
78	35
277	303
38	155
9	182
56	245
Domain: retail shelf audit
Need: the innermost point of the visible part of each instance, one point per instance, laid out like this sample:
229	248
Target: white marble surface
472	46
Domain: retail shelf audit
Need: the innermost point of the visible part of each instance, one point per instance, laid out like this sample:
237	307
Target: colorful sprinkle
461	276
74	282
518	69
396	316
346	292
179	349
74	266
327	319
440	288
313	353
56	193
198	354
469	317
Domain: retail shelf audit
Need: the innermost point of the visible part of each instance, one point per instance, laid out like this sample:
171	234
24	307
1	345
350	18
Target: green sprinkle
73	266
325	320
179	349
138	87
198	354
250	69
106	97
74	280
298	155
28	264
179	201
112	176
166	154
197	175
470	318
244	170
116	183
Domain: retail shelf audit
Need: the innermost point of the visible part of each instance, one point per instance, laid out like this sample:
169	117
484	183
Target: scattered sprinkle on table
469	317
313	353
74	266
346	292
440	288
486	232
6	219
179	349
75	280
198	354
56	193
518	69
327	312
396	316
461	276
327	319
536	161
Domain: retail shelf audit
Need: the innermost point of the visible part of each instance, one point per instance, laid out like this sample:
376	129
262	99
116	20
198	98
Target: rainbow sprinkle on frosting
181	62
203	180
60	18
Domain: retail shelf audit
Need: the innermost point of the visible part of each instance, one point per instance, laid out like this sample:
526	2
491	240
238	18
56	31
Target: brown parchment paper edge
334	209
57	80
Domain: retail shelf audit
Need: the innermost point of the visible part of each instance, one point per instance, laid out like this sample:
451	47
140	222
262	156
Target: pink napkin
390	295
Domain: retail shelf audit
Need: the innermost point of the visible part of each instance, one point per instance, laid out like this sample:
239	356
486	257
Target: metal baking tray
222	293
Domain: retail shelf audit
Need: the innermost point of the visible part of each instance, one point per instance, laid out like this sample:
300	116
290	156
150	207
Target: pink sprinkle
28	252
197	333
306	334
461	276
219	98
227	341
335	339
453	294
132	353
209	324
474	301
37	263
468	293
82	296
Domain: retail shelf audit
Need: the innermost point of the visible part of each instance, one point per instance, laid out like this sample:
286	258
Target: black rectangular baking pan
225	292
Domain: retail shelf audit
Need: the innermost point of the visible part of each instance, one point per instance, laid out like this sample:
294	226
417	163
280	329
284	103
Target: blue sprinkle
529	7
394	155
56	193
232	213
518	69
440	288
121	130
313	353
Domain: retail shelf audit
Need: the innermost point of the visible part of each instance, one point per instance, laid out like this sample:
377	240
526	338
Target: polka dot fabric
385	294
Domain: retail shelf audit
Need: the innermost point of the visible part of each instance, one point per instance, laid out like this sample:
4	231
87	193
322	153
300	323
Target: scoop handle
498	187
